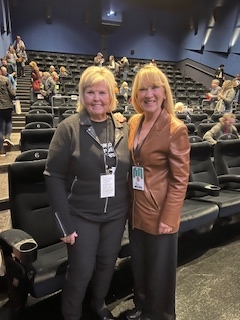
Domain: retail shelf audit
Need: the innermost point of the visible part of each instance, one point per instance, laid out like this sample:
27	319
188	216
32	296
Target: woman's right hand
70	238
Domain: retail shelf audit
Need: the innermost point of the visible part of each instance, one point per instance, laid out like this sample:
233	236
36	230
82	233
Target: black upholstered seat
39	117
40	259
36	138
227	162
202	170
31	155
204	127
197	118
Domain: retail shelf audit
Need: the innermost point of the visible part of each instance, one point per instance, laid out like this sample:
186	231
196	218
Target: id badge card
138	178
107	185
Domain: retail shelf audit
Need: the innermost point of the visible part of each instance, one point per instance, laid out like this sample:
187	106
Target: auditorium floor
208	276
208	281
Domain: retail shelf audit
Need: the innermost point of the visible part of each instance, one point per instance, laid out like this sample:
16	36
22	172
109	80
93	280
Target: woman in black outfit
86	175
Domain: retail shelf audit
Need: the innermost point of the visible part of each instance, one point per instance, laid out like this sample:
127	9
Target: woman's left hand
164	228
120	118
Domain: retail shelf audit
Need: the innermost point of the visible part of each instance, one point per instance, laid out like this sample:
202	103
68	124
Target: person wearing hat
98	60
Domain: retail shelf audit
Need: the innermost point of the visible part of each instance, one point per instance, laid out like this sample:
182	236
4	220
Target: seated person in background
225	97
225	126
212	95
56	79
125	90
180	107
236	86
52	69
136	68
63	72
153	62
116	88
49	86
98	60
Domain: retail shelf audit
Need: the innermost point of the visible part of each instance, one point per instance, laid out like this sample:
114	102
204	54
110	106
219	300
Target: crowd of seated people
68	68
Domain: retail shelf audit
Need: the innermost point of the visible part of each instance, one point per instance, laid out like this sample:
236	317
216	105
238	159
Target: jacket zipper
90	132
72	185
60	224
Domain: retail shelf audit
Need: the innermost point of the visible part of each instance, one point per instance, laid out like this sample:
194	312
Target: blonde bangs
150	76
94	75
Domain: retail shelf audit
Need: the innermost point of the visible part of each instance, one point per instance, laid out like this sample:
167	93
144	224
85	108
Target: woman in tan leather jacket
159	147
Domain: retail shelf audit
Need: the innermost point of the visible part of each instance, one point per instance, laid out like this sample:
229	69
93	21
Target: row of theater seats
40	125
201	122
37	261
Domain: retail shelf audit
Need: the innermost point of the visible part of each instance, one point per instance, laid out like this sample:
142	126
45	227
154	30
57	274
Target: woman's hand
164	228
70	239
120	118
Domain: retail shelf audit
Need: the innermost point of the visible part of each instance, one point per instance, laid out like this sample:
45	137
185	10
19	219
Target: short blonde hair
150	75
93	75
33	64
227	116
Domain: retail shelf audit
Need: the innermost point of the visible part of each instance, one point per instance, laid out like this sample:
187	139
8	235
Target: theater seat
39	117
202	170
35	258
36	138
31	155
227	162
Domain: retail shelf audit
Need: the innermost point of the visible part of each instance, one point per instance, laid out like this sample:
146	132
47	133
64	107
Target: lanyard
137	150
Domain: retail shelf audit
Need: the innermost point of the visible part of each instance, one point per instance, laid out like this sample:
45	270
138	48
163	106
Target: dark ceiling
171	5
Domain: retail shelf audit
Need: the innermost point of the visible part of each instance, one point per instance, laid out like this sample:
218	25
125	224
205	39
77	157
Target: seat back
35	110
39	117
191	128
48	109
227	159
215	116
29	205
227	136
40	103
195	139
201	166
31	155
36	139
196	118
37	125
204	127
63	110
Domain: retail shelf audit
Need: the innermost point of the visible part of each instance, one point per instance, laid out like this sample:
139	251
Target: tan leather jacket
165	158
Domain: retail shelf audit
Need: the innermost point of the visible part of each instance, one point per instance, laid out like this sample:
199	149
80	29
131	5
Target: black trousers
154	263
93	256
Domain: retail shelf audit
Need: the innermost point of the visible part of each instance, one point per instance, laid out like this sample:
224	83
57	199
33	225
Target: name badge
107	185
138	178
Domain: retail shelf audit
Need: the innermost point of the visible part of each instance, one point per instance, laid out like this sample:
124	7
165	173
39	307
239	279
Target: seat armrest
20	244
229	178
208	188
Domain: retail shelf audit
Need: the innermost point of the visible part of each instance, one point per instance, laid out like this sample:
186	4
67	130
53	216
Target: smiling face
97	101
151	97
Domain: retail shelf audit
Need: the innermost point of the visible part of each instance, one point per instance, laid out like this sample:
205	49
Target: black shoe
134	314
105	314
